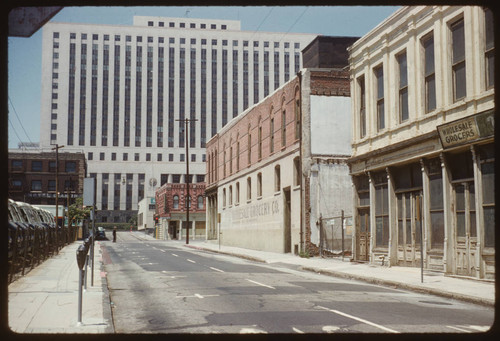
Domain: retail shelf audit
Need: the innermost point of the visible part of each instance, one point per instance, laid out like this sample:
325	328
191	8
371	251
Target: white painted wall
330	125
147	214
258	223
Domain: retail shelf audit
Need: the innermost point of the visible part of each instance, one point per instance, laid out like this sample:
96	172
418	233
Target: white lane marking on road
298	330
215	269
360	320
163	251
173	254
197	296
252	331
480	328
330	329
192	261
173	277
460	329
264	285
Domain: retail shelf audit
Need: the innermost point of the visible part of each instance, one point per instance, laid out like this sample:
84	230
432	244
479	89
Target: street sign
89	191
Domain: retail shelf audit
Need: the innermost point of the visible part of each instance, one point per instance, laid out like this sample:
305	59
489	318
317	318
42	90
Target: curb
399	285
382	282
106	302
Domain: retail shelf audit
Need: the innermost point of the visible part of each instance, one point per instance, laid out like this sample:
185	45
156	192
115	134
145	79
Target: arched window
259	185
271	132
216	166
230	195
277	178
297	113
200	202
249	147
176	202
238	152
283	124
249	188
259	139
209	168
297	172
224	162
230	156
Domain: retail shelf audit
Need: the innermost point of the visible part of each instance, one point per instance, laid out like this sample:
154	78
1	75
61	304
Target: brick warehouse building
32	176
170	209
271	195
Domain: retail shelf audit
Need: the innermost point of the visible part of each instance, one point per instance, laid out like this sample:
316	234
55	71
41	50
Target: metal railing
29	244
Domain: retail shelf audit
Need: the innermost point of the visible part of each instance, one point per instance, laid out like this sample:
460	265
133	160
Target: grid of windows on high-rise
138	87
138	94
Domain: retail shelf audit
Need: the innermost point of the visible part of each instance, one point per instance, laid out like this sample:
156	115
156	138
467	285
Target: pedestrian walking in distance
114	234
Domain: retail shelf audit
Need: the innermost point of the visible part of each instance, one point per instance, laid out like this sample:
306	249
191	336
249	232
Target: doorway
287	221
172	229
465	227
409	227
363	235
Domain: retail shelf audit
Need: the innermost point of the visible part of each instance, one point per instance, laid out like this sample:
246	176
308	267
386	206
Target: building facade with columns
422	162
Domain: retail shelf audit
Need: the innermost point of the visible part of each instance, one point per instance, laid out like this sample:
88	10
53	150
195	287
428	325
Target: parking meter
81	254
86	244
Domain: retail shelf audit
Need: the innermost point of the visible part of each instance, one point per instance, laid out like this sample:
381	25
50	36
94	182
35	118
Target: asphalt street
163	287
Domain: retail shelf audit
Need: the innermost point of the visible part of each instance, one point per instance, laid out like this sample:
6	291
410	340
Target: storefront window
462	175
436	204
381	210
487	156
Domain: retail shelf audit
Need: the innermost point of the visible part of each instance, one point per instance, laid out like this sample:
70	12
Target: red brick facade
227	152
166	203
330	83
32	176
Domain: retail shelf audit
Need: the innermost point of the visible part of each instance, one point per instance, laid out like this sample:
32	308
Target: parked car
100	233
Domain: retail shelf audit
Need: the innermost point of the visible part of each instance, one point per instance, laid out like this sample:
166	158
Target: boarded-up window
436	204
487	155
381	210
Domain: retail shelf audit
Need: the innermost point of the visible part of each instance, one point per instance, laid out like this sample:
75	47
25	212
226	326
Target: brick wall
168	191
257	117
330	83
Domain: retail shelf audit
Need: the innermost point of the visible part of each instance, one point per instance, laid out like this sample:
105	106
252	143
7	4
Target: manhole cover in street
156	321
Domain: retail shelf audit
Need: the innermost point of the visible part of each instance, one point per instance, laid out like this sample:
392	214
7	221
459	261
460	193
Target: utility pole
68	188
56	148
187	121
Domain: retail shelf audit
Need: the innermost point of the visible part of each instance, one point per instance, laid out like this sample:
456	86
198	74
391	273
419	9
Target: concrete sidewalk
408	278
45	300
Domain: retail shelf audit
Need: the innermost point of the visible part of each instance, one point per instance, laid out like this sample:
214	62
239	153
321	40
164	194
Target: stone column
393	228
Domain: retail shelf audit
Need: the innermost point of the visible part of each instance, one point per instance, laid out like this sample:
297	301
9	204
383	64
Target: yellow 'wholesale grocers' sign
467	129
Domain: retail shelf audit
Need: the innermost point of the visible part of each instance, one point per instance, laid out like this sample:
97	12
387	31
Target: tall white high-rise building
118	93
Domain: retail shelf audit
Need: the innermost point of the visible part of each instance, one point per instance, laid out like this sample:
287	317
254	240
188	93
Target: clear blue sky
24	78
